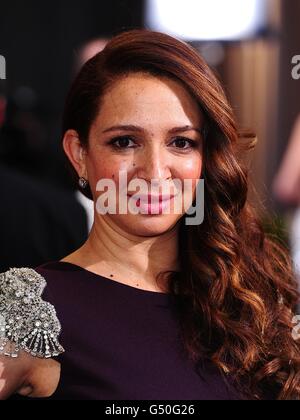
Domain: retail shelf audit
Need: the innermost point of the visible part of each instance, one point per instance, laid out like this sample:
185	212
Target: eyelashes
123	143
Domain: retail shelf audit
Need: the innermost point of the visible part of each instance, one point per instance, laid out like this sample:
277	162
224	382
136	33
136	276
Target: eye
182	141
123	142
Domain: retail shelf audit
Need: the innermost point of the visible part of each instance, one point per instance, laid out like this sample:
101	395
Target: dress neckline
109	281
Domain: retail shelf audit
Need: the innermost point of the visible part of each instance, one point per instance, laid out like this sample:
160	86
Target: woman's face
152	151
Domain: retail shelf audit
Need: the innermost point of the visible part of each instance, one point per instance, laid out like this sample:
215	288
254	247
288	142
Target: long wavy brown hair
236	291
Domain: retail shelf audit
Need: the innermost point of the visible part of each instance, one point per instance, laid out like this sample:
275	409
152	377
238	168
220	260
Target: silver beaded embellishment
26	321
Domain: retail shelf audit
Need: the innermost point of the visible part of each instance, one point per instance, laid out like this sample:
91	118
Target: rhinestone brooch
26	321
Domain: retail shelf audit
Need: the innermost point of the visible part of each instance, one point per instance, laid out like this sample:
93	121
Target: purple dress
122	343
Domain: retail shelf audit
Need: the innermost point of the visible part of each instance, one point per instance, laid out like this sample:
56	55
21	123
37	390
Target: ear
75	152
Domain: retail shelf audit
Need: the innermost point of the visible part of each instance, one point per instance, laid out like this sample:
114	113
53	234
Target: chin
145	225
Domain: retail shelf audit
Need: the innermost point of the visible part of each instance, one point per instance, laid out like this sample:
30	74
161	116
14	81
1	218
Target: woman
152	307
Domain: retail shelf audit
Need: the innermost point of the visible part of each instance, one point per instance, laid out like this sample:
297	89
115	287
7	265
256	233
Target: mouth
148	199
152	204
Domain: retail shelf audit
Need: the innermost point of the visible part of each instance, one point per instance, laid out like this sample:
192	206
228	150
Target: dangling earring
83	183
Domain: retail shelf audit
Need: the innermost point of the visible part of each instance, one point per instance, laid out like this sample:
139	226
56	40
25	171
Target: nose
153	165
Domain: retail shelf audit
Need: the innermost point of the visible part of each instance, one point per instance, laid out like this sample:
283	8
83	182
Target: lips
151	198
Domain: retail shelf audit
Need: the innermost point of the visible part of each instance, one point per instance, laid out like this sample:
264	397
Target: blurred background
249	43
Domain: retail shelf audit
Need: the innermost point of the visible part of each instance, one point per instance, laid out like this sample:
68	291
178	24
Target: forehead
145	97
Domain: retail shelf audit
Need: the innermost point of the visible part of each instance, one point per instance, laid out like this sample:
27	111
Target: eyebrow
141	129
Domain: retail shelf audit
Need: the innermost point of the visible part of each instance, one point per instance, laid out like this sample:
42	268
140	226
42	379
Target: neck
136	259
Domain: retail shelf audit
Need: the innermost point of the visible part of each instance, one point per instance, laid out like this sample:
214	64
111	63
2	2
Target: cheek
119	170
191	168
104	169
